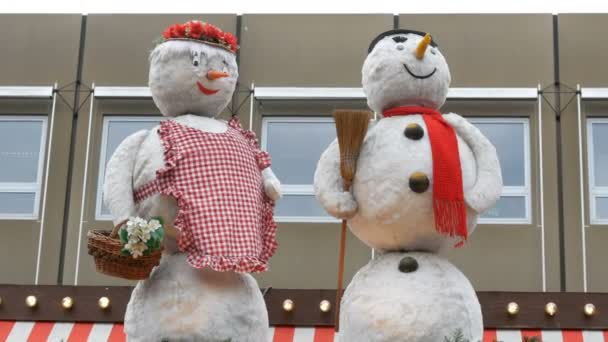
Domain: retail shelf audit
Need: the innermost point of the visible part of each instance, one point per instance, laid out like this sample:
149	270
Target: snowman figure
213	188
422	180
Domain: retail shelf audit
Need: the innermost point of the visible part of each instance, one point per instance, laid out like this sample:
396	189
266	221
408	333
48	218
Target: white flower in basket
140	237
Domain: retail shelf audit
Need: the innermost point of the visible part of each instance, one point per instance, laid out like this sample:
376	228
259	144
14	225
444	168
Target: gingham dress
224	216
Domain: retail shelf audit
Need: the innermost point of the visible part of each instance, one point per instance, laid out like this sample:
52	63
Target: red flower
231	40
212	32
194	29
177	31
167	33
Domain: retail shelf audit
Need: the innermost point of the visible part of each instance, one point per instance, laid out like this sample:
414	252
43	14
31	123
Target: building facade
514	75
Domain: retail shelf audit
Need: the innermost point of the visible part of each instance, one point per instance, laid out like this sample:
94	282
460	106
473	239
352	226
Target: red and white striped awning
12	331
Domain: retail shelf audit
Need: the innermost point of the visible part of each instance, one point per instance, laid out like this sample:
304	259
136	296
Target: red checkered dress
225	218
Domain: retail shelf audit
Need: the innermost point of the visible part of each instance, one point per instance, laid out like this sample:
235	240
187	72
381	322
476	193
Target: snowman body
385	200
392	204
428	304
180	303
191	81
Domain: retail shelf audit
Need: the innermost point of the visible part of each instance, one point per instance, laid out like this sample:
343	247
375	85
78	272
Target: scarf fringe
450	217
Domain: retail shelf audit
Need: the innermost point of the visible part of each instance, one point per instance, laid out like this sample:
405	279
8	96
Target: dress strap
147	190
262	157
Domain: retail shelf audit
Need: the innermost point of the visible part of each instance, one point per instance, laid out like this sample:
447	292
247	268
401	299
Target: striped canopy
12	331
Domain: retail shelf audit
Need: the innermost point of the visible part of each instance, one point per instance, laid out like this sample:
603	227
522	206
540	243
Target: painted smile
204	90
419	76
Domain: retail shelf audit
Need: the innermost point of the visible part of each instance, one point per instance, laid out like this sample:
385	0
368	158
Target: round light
31	301
288	305
512	308
589	309
551	309
67	303
104	302
325	305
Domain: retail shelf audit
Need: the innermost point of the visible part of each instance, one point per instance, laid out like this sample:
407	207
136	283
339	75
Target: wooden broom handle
341	257
340	274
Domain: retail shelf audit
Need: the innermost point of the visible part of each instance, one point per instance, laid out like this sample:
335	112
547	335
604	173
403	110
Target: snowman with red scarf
422	180
213	188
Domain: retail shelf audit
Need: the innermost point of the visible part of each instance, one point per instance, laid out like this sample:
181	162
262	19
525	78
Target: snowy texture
383	304
117	187
179	303
176	69
389	215
387	82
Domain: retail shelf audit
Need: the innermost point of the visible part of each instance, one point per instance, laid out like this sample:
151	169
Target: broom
351	127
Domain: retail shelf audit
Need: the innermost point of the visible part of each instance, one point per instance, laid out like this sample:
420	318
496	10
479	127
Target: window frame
106	119
594	191
524	191
296	189
34	187
513	191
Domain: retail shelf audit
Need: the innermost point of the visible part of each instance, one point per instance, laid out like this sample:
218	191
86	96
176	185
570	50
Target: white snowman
213	188
422	180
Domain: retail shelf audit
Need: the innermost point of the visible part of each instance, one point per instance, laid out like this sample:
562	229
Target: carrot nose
214	74
422	46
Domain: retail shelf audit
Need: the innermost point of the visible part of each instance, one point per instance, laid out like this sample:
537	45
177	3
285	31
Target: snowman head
405	67
193	70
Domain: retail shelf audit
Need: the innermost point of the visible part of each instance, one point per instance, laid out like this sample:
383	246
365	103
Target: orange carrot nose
214	74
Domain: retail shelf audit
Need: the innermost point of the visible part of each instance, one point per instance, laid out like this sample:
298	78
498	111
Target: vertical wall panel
582	58
39	50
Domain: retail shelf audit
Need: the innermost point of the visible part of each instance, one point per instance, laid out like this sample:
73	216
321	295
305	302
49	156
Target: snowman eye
433	51
400	39
400	47
195	63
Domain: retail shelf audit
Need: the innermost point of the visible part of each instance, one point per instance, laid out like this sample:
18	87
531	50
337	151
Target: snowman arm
488	185
118	184
272	185
328	185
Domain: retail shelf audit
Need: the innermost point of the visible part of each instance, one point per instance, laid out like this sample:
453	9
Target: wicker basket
106	248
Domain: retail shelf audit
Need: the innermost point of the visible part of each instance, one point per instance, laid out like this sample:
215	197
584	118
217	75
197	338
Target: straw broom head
351	127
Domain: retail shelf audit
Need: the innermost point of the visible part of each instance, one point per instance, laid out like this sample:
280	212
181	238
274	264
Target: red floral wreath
197	30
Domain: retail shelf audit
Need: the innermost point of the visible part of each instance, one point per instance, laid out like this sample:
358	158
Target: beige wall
39	50
582	61
315	50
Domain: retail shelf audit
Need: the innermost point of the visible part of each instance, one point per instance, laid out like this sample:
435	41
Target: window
295	145
511	137
115	130
22	147
597	156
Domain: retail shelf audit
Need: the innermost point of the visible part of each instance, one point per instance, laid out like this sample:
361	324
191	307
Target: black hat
394	32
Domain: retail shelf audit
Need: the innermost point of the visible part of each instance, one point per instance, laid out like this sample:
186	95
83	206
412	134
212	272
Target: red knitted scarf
448	195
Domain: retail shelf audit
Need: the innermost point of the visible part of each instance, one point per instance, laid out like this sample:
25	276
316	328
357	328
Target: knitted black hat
396	32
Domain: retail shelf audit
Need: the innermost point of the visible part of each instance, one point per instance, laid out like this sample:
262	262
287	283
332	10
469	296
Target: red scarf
448	195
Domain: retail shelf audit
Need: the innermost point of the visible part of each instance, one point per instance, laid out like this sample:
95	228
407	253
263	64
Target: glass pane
601	208
511	207
295	148
600	153
508	137
117	131
20	150
17	203
299	205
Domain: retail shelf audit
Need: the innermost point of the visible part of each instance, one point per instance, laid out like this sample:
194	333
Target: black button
408	264
414	131
419	182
